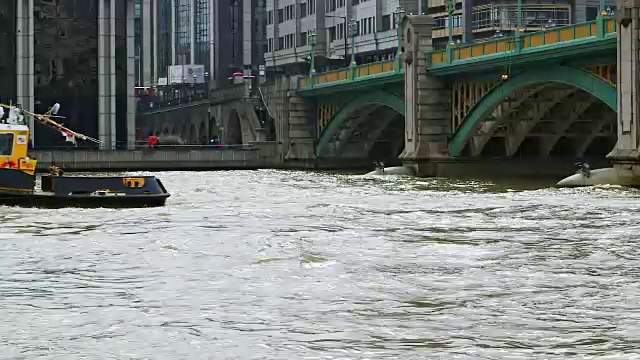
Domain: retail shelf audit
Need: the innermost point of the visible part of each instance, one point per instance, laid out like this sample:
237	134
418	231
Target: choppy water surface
293	265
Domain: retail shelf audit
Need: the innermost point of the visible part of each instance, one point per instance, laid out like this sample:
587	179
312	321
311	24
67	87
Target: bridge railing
141	145
171	95
596	28
145	106
349	74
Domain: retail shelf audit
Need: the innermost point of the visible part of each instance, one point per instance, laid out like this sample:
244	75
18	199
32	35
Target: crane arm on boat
45	119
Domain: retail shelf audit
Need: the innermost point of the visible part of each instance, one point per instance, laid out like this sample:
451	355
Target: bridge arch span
233	128
352	125
569	77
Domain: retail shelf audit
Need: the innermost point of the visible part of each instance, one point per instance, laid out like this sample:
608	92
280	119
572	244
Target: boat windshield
6	144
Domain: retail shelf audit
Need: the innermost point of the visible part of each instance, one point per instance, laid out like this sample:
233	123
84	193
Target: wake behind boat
18	173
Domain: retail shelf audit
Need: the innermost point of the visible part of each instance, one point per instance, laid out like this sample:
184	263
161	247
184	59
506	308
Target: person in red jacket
153	141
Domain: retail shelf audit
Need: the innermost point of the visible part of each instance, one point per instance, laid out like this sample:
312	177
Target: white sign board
194	74
186	74
176	74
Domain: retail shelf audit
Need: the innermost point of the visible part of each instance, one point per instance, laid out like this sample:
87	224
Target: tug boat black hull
16	189
52	201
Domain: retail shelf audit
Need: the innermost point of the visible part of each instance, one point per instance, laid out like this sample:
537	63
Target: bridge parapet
167	98
551	39
358	73
226	94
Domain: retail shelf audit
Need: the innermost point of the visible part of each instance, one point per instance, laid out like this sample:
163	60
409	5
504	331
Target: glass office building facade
163	22
191	19
66	66
192	25
164	37
8	60
202	55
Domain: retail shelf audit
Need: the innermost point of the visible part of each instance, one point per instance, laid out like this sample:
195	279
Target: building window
386	23
592	13
303	10
312	7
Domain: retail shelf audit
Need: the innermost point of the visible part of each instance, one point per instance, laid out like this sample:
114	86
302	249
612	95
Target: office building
254	37
74	53
225	36
170	32
482	19
8	39
289	23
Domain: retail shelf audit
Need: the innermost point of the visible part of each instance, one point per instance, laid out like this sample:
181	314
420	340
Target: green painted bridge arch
351	108
594	85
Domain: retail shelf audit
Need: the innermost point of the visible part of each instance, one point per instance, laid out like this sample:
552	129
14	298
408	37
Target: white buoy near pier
606	176
394	170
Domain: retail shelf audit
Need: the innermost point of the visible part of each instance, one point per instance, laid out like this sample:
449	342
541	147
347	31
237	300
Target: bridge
197	114
178	111
543	94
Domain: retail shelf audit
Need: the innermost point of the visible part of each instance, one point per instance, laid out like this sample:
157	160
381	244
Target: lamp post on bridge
519	18
450	10
399	14
353	32
600	20
520	29
450	44
312	40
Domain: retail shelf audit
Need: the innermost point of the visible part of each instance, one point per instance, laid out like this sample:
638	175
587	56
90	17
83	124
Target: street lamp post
353	32
520	29
311	39
450	10
601	20
346	24
399	14
519	17
450	44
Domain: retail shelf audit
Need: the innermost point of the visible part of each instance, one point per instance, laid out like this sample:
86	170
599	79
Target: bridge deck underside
375	132
545	120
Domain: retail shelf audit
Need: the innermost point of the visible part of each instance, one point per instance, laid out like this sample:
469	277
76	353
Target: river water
301	265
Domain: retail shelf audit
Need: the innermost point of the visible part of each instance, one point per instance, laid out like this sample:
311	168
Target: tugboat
18	173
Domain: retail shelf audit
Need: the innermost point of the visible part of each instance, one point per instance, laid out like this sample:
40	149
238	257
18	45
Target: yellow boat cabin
14	145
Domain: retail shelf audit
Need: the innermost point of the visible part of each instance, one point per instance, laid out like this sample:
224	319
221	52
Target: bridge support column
301	139
107	74
148	19
427	99
131	75
25	58
626	154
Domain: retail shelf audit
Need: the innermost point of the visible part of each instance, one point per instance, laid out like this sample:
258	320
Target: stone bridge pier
625	156
427	101
294	122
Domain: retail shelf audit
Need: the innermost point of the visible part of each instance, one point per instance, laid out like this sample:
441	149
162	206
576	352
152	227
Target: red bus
143	91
